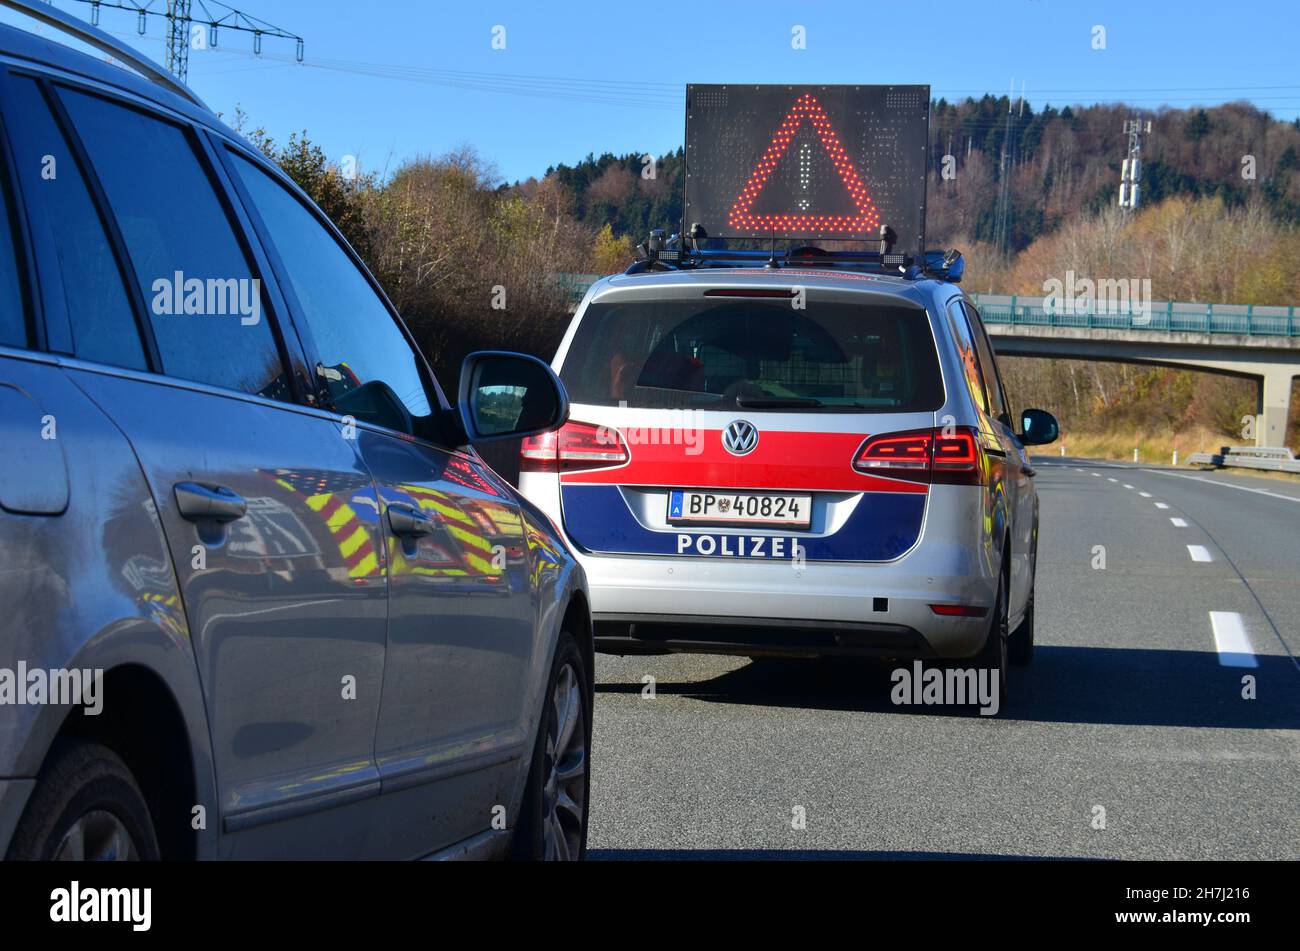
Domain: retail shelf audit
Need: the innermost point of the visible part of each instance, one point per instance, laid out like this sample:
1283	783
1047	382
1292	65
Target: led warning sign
811	162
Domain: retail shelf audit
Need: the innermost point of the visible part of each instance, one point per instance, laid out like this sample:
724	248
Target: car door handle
213	503
409	522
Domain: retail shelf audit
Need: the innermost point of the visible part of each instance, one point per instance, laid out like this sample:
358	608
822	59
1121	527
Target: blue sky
385	81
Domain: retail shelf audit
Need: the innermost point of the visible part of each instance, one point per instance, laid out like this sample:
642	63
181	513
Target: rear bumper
754	637
954	562
713	606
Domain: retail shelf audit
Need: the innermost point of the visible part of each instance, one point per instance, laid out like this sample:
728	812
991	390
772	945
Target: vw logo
740	437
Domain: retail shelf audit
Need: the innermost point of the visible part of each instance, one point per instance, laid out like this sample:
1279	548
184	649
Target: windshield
758	354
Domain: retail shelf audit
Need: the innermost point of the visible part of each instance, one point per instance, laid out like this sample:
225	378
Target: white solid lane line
1199	553
1230	640
1226	485
1161	505
1179	522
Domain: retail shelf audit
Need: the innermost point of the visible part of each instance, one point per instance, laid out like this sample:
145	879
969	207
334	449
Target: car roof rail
93	36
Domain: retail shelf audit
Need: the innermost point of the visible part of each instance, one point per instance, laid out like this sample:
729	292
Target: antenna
1130	174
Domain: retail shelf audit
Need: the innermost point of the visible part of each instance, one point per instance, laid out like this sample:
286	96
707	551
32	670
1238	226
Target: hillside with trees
472	261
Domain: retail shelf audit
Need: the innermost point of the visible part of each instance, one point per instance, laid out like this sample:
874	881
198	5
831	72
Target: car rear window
757	354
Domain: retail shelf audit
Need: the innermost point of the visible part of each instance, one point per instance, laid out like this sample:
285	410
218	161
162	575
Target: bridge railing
1250	320
1180	316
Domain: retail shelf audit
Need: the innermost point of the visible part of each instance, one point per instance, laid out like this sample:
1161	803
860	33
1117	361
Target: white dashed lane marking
1161	505
1179	522
1230	640
1199	553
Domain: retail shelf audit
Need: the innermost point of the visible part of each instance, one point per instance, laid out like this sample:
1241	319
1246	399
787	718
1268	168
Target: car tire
86	807
993	656
1020	646
553	820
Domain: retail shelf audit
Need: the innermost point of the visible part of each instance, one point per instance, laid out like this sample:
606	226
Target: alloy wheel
97	836
565	793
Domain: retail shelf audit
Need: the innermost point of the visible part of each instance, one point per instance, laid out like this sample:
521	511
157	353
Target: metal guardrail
1250	320
575	285
1271	458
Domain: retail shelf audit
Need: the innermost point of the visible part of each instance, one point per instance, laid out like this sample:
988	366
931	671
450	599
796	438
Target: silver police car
809	459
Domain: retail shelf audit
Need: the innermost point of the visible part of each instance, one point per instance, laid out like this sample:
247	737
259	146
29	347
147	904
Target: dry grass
1152	447
1158	450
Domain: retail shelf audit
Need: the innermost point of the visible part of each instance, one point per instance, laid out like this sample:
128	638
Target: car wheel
1020	646
553	823
993	656
86	807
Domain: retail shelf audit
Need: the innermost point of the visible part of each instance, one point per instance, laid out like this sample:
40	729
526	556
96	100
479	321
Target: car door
270	515
1019	470
462	622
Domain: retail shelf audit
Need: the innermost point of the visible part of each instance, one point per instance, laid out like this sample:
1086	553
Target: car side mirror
507	395
1039	427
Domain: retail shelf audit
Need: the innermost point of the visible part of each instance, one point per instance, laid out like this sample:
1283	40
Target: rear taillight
573	447
923	455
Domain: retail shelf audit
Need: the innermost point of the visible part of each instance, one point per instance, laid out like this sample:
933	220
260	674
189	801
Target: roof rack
674	254
94	36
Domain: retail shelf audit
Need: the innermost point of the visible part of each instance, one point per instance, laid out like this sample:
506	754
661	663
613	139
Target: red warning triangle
867	220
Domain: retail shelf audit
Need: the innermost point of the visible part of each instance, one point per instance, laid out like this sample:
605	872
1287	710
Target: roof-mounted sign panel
808	162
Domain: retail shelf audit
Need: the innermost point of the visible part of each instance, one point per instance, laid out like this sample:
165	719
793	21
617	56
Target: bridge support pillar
1274	407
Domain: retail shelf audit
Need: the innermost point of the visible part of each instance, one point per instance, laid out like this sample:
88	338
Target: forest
473	261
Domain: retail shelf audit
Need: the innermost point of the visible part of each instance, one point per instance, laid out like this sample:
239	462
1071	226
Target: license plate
739	508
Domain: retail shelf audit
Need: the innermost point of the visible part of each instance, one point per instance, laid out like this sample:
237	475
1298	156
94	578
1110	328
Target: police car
807	459
797	451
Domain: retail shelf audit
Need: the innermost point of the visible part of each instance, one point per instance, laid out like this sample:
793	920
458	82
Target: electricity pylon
186	31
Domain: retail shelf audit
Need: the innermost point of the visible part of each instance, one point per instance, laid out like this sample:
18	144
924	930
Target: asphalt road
1133	704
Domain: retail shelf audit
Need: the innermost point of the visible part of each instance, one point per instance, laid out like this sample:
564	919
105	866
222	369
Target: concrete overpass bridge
1262	343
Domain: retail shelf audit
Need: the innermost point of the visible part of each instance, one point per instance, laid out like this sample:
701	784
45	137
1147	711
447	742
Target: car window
365	361
103	323
988	364
13	321
966	349
754	353
204	301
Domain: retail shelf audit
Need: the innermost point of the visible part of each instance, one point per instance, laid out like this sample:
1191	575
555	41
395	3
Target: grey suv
260	597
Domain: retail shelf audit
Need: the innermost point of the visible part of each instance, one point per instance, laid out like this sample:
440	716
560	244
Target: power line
646	94
181	27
